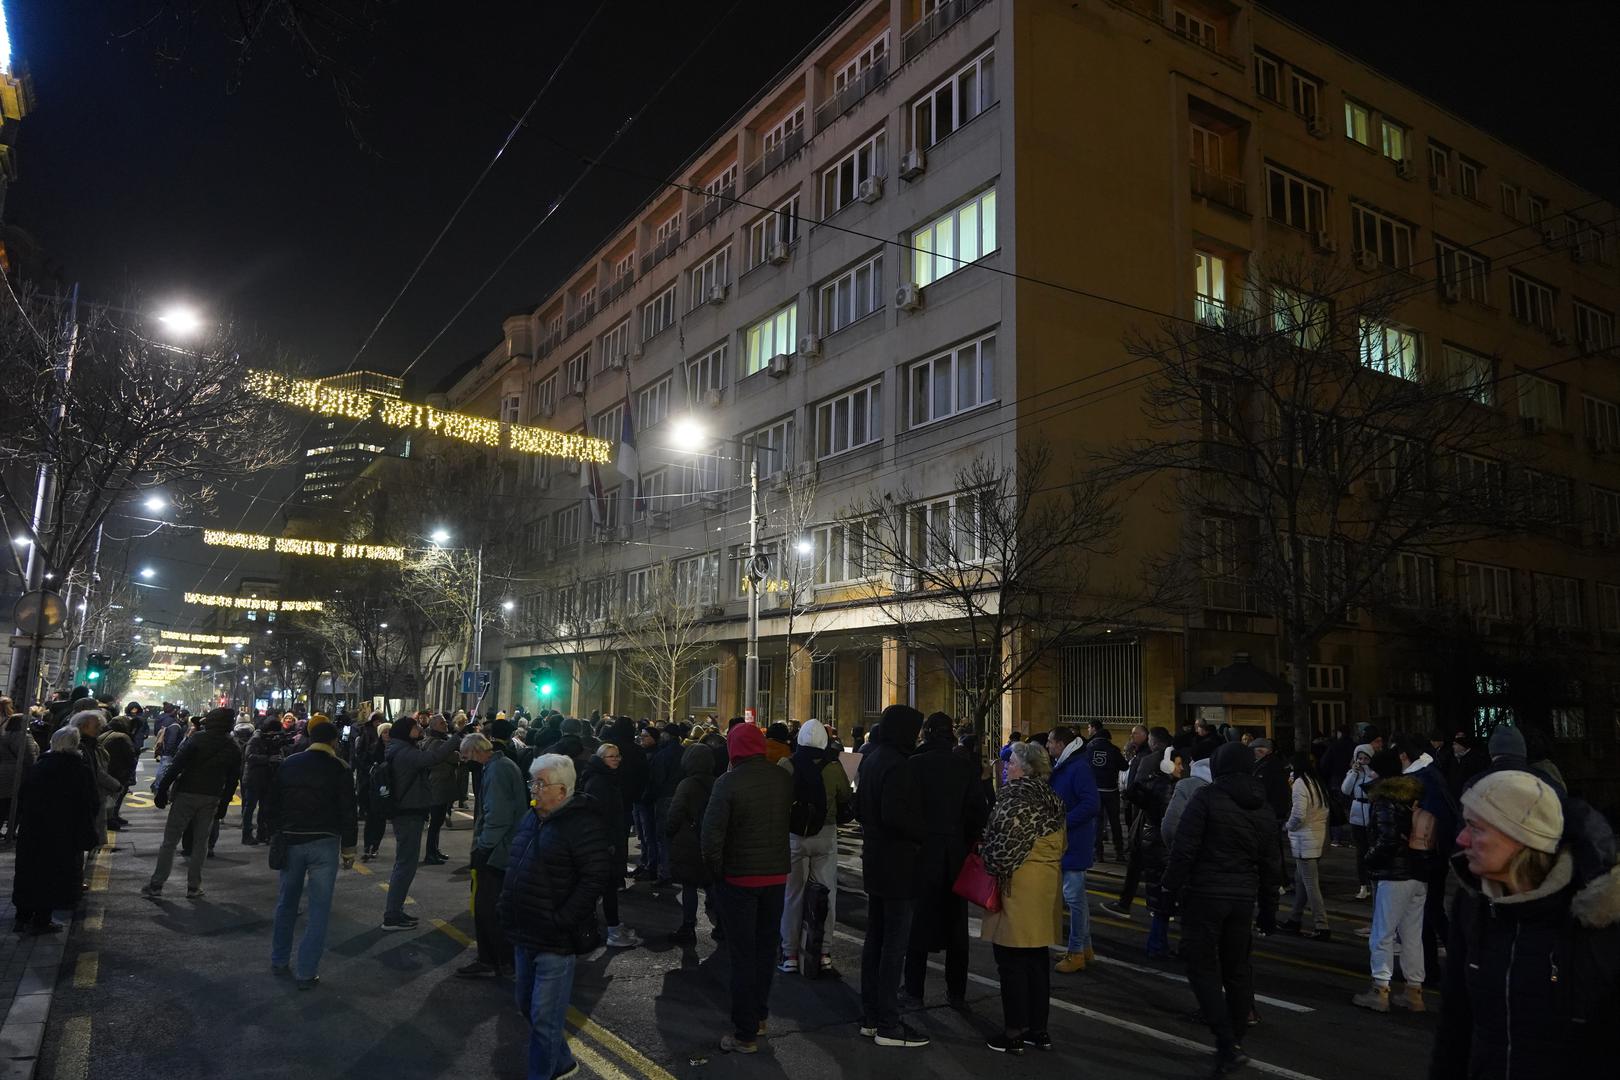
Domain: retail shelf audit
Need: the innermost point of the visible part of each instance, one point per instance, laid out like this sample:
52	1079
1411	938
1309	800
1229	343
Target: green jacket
503	799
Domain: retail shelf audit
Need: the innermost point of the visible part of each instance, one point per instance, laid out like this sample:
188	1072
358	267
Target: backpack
809	811
384	798
1422	837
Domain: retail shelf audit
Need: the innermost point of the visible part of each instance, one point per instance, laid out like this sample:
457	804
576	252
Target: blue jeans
1074	895
407	851
543	983
318	861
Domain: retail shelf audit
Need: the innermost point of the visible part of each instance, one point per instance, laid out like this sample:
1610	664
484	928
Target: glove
160	800
479	858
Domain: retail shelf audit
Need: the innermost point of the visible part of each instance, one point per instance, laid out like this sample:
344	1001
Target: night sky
143	171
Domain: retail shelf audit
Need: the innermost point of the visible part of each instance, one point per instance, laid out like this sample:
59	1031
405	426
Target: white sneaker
788	965
1363	893
622	937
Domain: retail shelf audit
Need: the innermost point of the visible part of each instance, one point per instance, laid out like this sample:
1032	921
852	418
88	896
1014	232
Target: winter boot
1375	998
1071	963
1413	998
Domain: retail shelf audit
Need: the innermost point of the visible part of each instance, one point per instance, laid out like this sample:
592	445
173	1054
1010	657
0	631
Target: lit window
1392	350
852	295
954	102
1357	123
1209	287
954	239
952	382
849	420
775	335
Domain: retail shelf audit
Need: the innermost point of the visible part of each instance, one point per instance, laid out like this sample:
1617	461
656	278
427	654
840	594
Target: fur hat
1519	804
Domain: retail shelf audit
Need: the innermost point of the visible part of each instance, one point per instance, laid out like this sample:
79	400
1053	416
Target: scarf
1026	810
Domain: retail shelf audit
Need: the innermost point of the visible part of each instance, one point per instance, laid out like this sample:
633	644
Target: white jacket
1308	823
1355	786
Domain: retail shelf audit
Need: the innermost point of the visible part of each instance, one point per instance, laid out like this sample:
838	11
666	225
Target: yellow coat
1031	915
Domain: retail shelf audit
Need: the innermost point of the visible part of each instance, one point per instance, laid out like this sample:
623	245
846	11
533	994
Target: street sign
475	682
40	612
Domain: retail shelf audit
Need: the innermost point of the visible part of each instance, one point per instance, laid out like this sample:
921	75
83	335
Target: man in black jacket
663	777
202	778
1226	852
311	805
888	805
560	863
745	850
1106	764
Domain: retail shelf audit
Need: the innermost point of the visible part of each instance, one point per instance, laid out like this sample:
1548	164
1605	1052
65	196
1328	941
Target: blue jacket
503	799
1077	787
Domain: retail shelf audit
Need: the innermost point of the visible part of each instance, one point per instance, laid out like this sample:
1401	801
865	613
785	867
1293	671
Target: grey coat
413	766
503	799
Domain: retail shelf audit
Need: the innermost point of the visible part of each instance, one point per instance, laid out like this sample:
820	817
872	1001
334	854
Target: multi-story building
337	451
927	240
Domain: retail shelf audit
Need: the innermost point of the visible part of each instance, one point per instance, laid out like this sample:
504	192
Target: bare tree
790	584
995	576
665	641
1318	461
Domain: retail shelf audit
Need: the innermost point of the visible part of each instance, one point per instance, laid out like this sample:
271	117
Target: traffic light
540	679
95	669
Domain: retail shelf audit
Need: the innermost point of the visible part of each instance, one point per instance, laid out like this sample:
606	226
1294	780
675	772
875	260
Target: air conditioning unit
908	297
576	388
1326	243
1366	260
912	164
1405	169
712	396
1318	127
614	361
1533	425
871	189
779	367
903	581
633	351
778	253
548	410
717	293
809	345
1449	291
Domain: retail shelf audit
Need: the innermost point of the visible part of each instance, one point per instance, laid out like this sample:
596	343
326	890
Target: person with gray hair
88	723
56	811
560	864
502	800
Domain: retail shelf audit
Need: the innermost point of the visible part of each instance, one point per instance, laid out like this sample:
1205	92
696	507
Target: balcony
549	342
618	287
772	159
929	30
661	251
1229	594
712	207
578	320
852	94
1218	188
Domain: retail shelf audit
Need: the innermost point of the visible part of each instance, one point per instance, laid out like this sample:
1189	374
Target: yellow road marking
94	917
638	1061
73	1054
452	933
383	885
100	873
85	970
595	1062
1292	961
362	868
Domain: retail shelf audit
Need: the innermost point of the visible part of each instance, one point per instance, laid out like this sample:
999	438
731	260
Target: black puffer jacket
1151	792
1273	776
1227	845
208	764
1532	982
313	796
601	782
663	770
412	764
1388	857
745	826
560	866
953	817
888	805
684	824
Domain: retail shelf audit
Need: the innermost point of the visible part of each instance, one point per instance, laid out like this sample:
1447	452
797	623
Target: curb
31	966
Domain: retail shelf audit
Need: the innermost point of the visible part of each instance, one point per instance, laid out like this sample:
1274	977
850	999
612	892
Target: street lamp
156	503
805	548
441	536
181	320
148	573
508	605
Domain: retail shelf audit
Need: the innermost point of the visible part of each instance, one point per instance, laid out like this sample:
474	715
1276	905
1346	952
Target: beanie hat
1507	741
1260	744
1519	804
321	728
1232	757
500	716
501	729
813	733
220	719
745	740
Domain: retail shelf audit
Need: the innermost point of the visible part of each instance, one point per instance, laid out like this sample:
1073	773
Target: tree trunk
1299	668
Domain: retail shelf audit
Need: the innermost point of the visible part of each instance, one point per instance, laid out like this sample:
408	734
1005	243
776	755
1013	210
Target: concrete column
894	672
799	661
728	702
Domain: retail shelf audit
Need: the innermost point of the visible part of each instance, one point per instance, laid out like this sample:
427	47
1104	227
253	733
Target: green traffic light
545	689
92	676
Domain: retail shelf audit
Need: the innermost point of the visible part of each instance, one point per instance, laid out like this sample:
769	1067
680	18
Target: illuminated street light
23	541
382	626
181	320
687	433
148	573
156	503
440	536
508	605
805	547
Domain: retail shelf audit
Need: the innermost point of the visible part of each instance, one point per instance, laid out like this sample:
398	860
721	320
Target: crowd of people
743	822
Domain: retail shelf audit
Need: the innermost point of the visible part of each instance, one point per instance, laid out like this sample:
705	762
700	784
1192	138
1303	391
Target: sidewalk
29	966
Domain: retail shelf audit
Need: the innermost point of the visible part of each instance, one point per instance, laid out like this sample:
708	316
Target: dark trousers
1133	869
376	826
752	920
1026	988
252	799
1358	836
1110	811
436	818
610	903
1436	927
883	960
1215	942
493	948
956	955
689	904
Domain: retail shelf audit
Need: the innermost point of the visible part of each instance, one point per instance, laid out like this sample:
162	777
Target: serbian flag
629	460
590	482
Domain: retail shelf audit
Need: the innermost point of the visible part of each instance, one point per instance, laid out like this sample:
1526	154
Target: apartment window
1486	590
824	689
658	314
1541	400
1206	149
1268	77
608	423
850	420
1558	600
1357	122
1305	94
708	277
1439	166
638	590
654	491
862	62
872	685
585	300
511	405
567	530
1467	177
614	346
1195	27
1594	327
722	184
545	395
1602	423
954	239
948	530
778	134
852	295
1608	607
700	476
771	446
955	381
1390	349
1414	580
1386	238
666	229
1568	721
1552	498
706	688
575	369
1302	319
1209	287
1535	209
774	335
1480	479
780	226
1530	301
1471	373
1393	138
1325	677
841	184
706	373
1295	201
838	553
697	580
954	102
1510	201
1462	273
652	402
624	266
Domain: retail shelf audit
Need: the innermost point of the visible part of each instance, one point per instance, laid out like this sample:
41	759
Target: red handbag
977	885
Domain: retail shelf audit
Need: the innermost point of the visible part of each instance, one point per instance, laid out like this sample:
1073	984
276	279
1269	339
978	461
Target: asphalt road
181	989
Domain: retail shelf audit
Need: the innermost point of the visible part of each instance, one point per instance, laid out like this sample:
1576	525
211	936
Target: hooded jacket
1388	856
412	764
1075	781
503	797
683	825
1532	981
889	808
1355	785
1106	762
1227	845
745	826
1198	776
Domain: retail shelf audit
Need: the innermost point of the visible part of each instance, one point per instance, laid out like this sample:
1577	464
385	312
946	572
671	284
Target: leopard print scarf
1026	810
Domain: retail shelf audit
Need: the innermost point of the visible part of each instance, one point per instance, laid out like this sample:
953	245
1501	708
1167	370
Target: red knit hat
745	740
